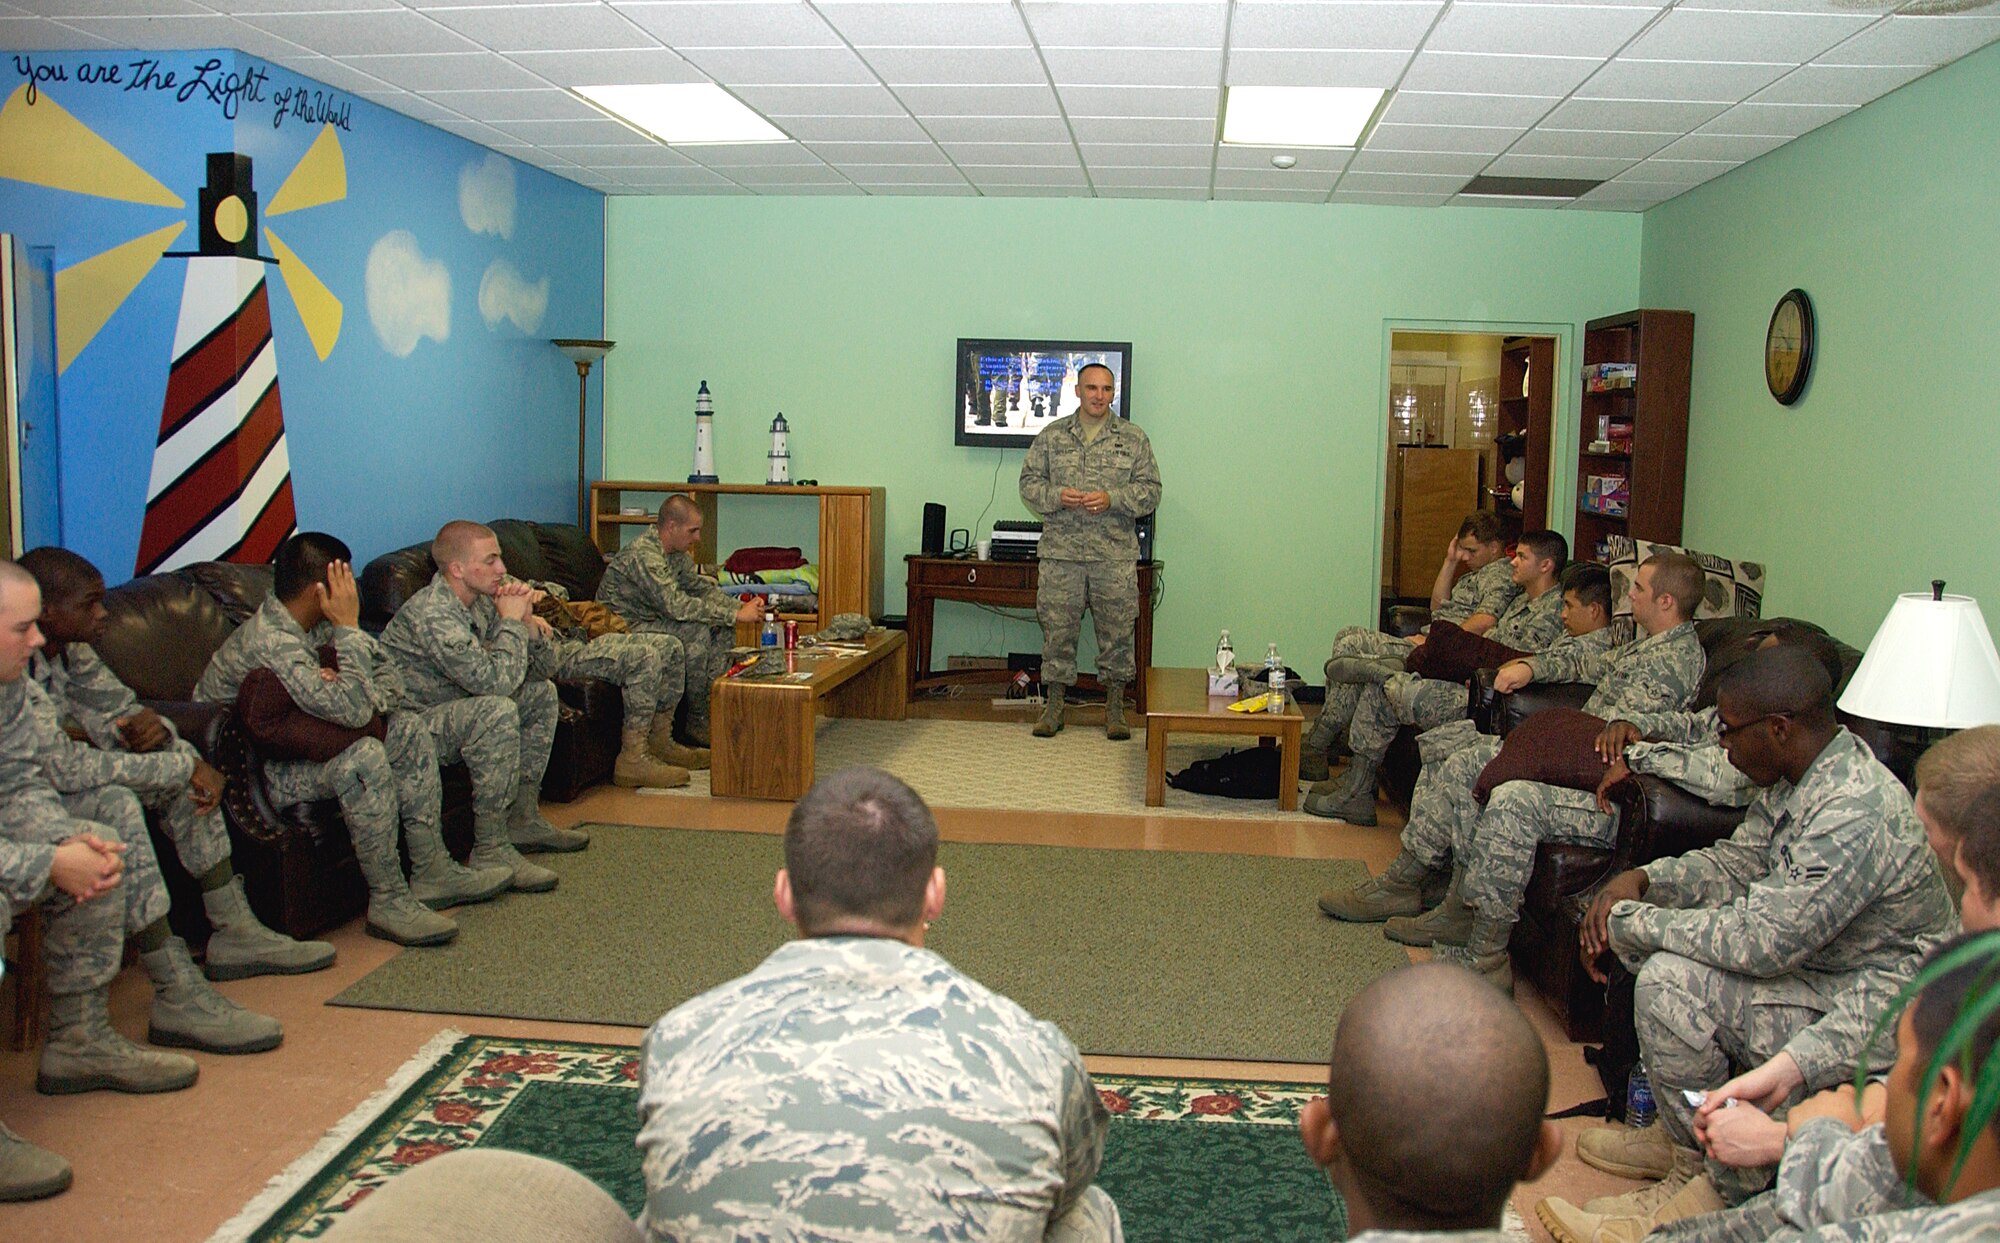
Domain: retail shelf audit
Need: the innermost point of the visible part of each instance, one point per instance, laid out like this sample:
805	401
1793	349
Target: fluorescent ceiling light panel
1298	116
683	114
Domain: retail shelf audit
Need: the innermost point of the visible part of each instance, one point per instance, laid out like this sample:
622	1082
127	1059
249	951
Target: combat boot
240	946
530	831
1645	1152
1484	952
1447	923
492	849
438	881
1353	801
189	1014
696	731
1363	670
1687	1192
1687	1166
637	767
1397	891
85	1053
1052	713
662	743
1115	727
1315	765
29	1171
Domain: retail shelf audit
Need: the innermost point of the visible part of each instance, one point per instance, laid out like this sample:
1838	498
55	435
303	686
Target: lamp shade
1931	664
580	350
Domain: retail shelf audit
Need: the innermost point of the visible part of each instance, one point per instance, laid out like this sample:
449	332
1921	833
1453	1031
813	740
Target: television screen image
1008	390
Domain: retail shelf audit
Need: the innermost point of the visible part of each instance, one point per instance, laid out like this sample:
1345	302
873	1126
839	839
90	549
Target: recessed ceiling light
1298	116
682	114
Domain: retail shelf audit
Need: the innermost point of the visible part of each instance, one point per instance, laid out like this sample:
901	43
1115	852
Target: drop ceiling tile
1642	115
609	67
1903	40
1147	155
782	66
392	31
1851	85
1134	66
1023	175
1288	24
108	8
1786	120
960	190
35	34
685	177
871	100
844	153
1316	67
1141	101
1620	144
1004	129
1592	168
1153	129
1402	183
1716	82
1849	7
1372	161
544	104
1374	198
545	27
174	32
602	130
966	66
815	190
1034	192
979	101
1268	178
1478	74
974	23
1248	195
1733	147
779	174
1310	159
337	74
752	25
1011	152
1461	138
1189	193
1676	172
1538	29
1186	178
412	105
485	135
902	174
241	7
732	156
1198	24
1438	108
1716	34
451	72
852	129
624	159
1630	194
1518	202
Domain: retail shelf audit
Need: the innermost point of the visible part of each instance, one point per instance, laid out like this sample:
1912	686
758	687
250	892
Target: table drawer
1001	575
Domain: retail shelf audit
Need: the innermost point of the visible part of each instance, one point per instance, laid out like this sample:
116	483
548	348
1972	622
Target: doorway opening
1471	415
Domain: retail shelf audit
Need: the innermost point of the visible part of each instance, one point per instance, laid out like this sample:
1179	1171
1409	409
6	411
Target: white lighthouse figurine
704	438
781	457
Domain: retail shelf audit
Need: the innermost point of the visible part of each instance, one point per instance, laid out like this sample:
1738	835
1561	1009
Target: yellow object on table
1256	703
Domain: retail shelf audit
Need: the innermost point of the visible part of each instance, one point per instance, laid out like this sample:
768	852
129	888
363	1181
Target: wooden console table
1001	584
763	728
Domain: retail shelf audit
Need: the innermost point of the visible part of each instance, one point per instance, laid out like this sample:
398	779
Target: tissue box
1224	683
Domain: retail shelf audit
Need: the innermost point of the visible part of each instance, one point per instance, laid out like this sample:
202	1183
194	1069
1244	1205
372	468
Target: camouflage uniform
374	781
1528	625
481	686
661	593
859	1088
88	695
1827	893
649	670
1975	1219
1490	589
1089	561
1831	1174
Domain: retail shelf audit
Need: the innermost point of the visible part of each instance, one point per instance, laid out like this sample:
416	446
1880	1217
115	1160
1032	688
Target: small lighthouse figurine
781	457
704	438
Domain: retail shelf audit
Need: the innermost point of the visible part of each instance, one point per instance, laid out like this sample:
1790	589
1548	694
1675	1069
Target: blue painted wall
441	397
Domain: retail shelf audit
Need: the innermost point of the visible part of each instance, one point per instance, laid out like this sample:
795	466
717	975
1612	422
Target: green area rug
1141	952
1185	1160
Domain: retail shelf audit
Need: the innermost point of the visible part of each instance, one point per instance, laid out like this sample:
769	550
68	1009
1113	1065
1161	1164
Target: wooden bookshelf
1525	426
1652	458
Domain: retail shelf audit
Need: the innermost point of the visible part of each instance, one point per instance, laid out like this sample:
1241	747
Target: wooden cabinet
850	533
1430	493
1635	431
1526	419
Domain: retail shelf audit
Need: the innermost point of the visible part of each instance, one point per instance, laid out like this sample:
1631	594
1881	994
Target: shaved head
1782	680
455	540
678	510
1437	1090
13	577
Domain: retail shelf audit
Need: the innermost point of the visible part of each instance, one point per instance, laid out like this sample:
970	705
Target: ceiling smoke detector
1284	161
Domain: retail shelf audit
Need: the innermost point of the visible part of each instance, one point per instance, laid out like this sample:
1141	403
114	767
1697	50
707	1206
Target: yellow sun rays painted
319	177
88	293
319	310
44	145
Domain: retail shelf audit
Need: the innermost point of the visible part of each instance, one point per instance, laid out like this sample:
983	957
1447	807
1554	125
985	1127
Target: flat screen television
1008	390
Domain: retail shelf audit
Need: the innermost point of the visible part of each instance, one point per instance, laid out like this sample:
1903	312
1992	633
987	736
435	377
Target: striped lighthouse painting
221	485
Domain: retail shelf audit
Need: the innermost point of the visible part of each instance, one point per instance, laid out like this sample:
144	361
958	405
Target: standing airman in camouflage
654	584
109	739
1743	950
476	664
314	606
1089	477
856	1085
1531	622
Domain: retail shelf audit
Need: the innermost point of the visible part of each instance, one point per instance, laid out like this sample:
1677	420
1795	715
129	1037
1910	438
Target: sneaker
1635	1218
1645	1153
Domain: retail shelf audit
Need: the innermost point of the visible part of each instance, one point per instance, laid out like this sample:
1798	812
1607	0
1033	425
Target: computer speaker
933	545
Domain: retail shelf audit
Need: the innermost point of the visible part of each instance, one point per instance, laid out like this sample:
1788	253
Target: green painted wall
1258	364
1882	476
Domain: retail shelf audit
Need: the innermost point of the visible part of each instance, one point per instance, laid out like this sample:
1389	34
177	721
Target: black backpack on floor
1251	772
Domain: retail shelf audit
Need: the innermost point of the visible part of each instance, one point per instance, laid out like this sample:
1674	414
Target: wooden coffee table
762	730
1178	699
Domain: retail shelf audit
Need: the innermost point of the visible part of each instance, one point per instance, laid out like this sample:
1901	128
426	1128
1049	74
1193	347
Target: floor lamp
582	353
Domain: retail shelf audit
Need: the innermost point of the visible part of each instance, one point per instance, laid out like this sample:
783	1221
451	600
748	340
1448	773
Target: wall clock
1788	347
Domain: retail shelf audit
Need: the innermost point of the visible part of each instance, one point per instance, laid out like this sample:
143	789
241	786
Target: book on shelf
1607	495
1606	377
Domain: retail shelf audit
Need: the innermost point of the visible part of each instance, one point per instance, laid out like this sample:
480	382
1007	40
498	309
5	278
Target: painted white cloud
409	296
486	196
505	294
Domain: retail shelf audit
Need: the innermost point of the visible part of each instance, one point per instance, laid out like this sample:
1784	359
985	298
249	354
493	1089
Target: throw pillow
1556	746
284	731
1733	588
1452	655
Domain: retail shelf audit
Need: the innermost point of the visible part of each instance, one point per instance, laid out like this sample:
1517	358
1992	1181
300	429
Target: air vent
1529	187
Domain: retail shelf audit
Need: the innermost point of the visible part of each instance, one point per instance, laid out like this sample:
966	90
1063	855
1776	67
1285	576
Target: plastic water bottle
1274	676
770	636
1225	654
1640	1109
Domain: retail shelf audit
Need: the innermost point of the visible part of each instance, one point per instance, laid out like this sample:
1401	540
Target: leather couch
593	711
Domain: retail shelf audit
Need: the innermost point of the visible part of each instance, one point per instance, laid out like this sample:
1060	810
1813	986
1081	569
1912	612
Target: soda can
791	636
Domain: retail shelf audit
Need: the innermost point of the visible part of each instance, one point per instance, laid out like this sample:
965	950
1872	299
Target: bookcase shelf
1655	408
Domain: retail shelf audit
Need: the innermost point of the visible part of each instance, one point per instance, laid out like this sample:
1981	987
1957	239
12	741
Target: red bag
757	560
